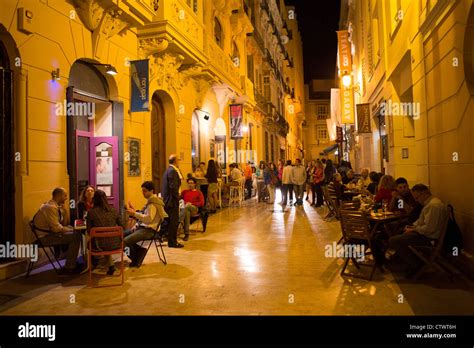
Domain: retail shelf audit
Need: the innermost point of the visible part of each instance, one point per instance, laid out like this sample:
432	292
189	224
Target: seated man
364	180
193	200
148	221
349	178
424	231
235	177
403	200
49	222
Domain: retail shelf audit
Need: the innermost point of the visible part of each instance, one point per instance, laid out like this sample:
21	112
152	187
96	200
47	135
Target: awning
329	149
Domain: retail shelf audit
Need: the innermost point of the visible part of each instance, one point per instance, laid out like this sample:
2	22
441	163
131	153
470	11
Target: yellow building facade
413	63
63	51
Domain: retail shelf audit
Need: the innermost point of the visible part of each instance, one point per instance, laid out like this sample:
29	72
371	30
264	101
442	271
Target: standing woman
270	177
103	215
309	174
85	201
317	183
329	172
213	188
260	181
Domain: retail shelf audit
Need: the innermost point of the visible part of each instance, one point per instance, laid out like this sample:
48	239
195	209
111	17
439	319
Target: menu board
134	152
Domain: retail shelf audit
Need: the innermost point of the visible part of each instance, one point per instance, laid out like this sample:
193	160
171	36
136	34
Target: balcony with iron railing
176	27
221	65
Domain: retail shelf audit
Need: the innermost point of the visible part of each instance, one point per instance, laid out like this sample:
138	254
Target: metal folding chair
45	249
157	239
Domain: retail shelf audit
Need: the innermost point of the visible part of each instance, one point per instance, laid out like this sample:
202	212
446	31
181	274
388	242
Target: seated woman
85	201
374	182
103	215
386	187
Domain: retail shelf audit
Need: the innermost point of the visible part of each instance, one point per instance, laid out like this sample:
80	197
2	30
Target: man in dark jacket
170	192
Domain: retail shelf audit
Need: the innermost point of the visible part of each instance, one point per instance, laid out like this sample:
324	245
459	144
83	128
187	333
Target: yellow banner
347	105
344	48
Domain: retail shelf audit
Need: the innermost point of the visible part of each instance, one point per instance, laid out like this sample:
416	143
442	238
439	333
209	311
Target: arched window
195	141
218	36
235	55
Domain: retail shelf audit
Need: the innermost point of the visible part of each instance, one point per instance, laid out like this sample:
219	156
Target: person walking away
271	180
287	183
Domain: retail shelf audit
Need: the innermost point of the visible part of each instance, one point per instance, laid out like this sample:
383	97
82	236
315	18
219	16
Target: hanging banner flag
347	105
339	133
344	52
236	121
363	118
139	80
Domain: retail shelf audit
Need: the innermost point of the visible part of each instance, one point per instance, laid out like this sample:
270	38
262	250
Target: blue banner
139	79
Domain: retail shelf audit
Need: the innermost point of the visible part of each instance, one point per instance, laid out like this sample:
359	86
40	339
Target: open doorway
7	191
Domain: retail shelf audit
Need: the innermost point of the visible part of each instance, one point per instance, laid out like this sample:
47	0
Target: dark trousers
401	242
317	191
285	189
173	223
290	191
248	188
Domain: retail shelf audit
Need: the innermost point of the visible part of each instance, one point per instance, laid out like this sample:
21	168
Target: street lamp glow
346	80
245	129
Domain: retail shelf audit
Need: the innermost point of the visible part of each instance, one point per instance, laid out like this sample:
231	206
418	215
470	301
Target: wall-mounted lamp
55	74
109	69
346	79
245	129
206	114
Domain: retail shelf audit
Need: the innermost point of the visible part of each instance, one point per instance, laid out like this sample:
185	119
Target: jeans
248	188
299	192
132	238
271	192
284	193
72	239
185	215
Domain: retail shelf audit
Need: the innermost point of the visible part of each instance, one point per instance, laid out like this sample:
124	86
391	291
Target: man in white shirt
287	182
299	180
424	231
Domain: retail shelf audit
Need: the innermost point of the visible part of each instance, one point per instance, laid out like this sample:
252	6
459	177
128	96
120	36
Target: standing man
287	183
299	181
170	191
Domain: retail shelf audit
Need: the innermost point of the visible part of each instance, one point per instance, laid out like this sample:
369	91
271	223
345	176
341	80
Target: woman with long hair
103	215
270	177
317	182
213	188
386	186
329	171
85	201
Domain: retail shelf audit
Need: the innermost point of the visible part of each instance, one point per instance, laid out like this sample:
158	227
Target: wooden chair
236	195
45	249
98	233
430	255
330	203
356	231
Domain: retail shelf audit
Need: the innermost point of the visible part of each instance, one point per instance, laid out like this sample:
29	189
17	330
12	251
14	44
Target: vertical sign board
345	67
134	151
344	48
139	80
363	118
236	121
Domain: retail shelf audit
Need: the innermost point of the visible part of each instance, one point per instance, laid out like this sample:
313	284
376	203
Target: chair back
354	225
332	197
350	205
107	232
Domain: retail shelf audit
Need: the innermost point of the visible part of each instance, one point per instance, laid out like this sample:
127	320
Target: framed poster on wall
134	153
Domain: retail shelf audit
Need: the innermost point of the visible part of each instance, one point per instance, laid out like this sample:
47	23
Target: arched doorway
195	142
158	141
94	134
8	51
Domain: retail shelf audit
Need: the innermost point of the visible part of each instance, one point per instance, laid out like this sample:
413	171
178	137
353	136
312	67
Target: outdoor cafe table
380	219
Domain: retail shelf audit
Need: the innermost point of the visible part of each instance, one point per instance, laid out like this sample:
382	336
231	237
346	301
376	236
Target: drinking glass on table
384	206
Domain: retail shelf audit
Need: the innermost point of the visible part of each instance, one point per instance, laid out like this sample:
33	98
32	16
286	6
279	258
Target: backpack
453	238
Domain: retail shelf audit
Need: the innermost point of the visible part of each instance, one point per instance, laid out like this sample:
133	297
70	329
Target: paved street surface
252	261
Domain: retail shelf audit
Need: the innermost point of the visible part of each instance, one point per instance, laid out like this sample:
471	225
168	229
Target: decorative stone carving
153	45
112	24
90	12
